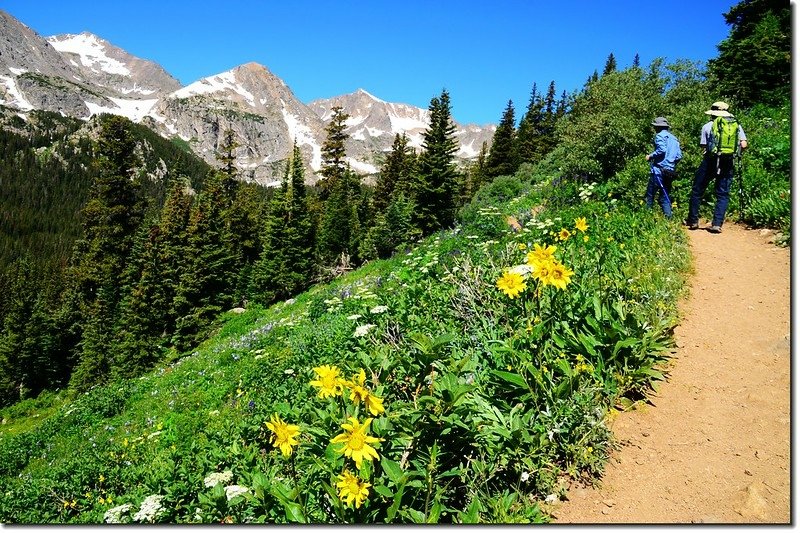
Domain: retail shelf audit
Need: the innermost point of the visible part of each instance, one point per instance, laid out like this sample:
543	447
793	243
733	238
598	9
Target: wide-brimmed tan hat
719	109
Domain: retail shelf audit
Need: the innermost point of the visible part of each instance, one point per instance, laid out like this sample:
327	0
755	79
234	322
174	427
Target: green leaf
471	515
294	512
625	343
418	517
588	342
435	512
384	491
392	510
654	374
392	469
511	377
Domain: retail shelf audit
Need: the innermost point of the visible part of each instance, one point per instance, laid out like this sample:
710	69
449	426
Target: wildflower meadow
465	381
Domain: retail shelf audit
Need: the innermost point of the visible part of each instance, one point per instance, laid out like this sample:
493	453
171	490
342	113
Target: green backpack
725	135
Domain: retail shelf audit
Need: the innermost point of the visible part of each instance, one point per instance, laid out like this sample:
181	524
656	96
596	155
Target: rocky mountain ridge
81	75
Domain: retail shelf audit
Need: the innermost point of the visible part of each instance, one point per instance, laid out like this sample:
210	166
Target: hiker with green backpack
722	139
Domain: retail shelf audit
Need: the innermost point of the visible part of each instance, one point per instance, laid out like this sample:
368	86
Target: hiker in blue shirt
663	165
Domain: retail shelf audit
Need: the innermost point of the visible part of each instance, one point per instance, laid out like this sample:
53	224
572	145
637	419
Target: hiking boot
691	225
715	229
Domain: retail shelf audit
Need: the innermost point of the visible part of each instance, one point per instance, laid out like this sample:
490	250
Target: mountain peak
362	92
91	51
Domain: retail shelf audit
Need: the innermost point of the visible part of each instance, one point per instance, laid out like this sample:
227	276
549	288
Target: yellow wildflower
352	489
581	225
564	234
356	441
284	435
541	271
328	381
511	283
540	253
585	238
359	393
559	275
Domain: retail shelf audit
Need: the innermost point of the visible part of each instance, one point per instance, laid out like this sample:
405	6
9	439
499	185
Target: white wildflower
215	412
378	309
232	491
218	477
150	510
525	476
363	330
353	317
522	270
114	515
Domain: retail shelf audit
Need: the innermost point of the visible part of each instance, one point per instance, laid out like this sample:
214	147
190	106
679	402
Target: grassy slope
71	459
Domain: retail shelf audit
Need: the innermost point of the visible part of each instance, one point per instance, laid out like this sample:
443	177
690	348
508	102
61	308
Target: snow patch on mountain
213	84
17	99
91	52
361	166
135	110
301	134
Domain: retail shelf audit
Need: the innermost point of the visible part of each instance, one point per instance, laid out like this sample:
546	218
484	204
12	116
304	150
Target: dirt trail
715	446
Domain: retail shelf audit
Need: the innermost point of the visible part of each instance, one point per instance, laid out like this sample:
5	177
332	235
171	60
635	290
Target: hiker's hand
743	144
647	157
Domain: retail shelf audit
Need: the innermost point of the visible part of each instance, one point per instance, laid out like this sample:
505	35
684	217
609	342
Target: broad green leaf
510	377
294	512
392	469
383	490
471	515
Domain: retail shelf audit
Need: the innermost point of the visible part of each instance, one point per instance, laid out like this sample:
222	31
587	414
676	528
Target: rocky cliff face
83	75
373	124
261	110
104	65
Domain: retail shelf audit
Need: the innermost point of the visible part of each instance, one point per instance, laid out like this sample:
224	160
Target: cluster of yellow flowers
540	264
331	384
355	439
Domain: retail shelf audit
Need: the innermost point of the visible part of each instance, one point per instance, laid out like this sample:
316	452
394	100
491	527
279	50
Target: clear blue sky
484	52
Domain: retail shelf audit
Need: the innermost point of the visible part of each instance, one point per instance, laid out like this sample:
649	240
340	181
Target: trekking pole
658	179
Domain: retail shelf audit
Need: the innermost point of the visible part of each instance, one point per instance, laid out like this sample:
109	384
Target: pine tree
396	174
111	217
340	227
144	308
226	153
438	177
547	134
636	61
205	287
611	64
26	338
174	239
502	159
754	61
97	338
529	132
334	152
285	266
563	104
